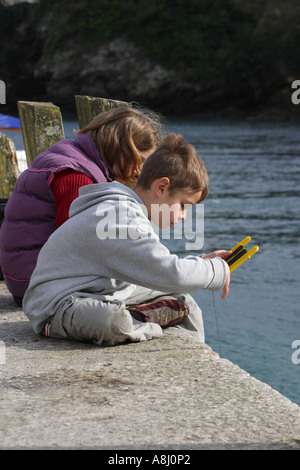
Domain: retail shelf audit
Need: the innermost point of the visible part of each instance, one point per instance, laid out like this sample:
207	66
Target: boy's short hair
177	160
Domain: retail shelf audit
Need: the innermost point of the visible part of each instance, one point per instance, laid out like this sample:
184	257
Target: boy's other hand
227	282
222	254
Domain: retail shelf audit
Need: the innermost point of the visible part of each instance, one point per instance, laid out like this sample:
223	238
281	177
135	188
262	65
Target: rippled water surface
254	171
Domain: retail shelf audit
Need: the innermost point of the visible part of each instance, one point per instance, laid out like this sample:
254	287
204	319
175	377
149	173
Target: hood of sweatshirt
94	194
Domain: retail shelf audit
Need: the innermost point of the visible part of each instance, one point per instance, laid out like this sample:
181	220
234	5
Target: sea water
254	171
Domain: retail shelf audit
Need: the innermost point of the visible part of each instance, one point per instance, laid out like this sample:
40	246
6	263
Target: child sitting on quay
104	276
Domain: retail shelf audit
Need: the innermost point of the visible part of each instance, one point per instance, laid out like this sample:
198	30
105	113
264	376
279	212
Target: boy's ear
161	185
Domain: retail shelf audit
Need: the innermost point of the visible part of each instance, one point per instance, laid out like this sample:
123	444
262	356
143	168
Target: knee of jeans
116	330
108	323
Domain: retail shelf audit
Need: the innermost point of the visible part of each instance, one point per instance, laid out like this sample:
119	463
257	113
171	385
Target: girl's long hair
121	134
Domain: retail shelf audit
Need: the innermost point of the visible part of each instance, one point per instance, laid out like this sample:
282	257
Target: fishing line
217	324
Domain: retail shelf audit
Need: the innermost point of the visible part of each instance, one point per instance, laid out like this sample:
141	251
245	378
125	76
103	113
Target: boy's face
172	207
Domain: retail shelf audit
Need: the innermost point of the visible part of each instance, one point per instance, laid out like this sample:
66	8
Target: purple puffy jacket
30	211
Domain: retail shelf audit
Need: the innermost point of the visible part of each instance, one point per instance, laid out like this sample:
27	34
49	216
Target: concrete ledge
169	393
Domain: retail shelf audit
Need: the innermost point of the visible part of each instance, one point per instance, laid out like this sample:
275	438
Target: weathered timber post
88	107
9	170
42	126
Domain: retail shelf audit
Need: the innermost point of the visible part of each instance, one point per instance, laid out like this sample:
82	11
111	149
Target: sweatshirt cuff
219	274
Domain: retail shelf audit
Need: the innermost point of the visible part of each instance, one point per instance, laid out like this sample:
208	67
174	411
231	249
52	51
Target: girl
112	147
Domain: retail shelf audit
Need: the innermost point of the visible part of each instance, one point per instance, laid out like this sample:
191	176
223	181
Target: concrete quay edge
169	393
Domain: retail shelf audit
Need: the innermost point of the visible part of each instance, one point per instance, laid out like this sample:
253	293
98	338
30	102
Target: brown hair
120	134
178	161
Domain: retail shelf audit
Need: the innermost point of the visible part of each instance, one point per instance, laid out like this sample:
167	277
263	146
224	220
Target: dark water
254	171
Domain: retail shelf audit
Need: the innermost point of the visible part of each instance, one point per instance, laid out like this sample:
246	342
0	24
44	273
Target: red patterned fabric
165	311
65	187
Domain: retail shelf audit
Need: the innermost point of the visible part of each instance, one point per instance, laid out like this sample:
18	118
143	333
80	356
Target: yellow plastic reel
245	256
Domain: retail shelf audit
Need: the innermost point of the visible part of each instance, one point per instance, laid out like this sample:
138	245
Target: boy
104	276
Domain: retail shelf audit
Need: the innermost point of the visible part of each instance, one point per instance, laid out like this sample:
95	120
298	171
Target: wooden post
9	170
88	107
42	126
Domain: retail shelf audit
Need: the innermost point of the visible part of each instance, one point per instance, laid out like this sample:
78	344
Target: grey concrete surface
168	393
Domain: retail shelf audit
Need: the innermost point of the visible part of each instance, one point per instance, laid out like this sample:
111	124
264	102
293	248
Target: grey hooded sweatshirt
107	245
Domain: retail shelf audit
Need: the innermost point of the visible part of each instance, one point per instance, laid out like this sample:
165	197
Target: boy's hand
227	282
222	254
